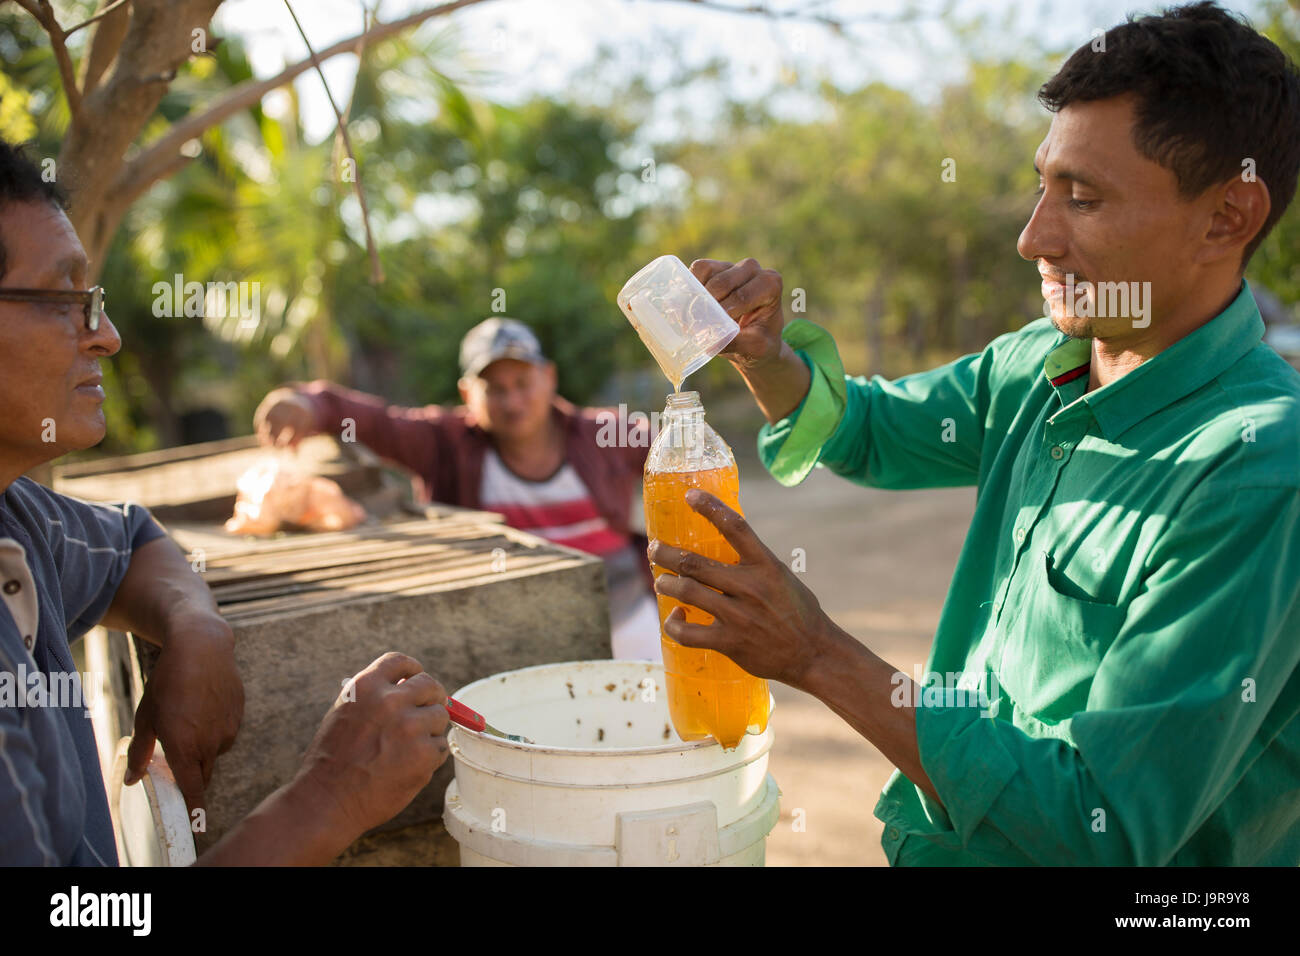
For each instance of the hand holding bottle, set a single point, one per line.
(709, 695)
(765, 619)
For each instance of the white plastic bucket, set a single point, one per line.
(150, 819)
(608, 782)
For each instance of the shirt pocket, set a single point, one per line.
(1055, 645)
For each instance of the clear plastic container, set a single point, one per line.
(679, 321)
(709, 695)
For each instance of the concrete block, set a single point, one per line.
(547, 604)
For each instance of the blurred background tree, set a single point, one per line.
(1276, 264)
(893, 213)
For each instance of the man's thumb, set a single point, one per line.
(140, 751)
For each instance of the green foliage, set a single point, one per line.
(16, 123)
(465, 198)
(506, 210)
(855, 210)
(1276, 263)
(541, 210)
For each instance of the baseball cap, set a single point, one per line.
(498, 338)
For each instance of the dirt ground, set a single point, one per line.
(880, 563)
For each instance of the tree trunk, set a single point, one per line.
(157, 42)
(160, 372)
(874, 314)
(962, 317)
(107, 117)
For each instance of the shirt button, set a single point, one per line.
(1020, 535)
(12, 587)
(1057, 452)
(893, 833)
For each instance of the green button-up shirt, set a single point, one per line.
(1114, 679)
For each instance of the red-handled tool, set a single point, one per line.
(472, 720)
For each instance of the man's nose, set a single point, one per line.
(518, 399)
(1042, 237)
(104, 339)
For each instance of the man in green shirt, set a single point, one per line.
(1117, 659)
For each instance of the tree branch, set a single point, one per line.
(44, 14)
(159, 38)
(116, 206)
(99, 16)
(368, 19)
(834, 24)
(376, 270)
(147, 168)
(104, 44)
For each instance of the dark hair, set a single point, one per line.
(1211, 92)
(21, 181)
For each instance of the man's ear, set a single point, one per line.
(1239, 214)
(463, 386)
(551, 375)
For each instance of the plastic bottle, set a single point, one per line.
(708, 694)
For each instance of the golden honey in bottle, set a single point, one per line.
(708, 694)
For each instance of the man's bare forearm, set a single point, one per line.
(778, 384)
(160, 593)
(860, 687)
(294, 826)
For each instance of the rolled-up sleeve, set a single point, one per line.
(791, 448)
(924, 430)
(1200, 678)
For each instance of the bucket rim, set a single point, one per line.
(679, 746)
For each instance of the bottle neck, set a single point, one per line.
(684, 407)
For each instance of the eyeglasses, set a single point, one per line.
(91, 300)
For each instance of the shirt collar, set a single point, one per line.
(1186, 365)
(19, 590)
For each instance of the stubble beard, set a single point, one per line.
(1072, 325)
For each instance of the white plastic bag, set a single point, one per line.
(274, 493)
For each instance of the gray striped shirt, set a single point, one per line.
(61, 561)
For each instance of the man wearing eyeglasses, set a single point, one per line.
(67, 565)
